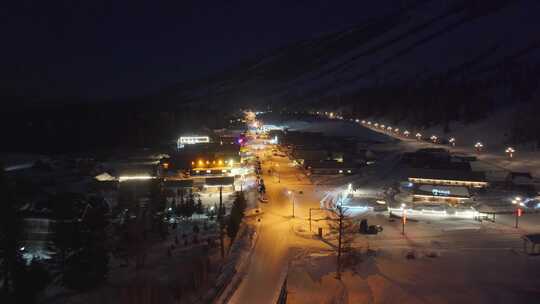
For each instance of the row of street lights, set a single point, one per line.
(478, 146)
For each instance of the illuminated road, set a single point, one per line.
(276, 236)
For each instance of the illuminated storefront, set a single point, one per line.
(212, 167)
(437, 194)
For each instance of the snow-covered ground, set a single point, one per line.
(453, 277)
(334, 128)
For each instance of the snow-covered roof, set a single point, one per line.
(456, 175)
(219, 181)
(105, 177)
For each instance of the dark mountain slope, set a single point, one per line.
(452, 43)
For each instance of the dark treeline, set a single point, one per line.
(525, 126)
(93, 126)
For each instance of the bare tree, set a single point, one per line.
(342, 224)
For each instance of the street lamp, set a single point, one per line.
(418, 136)
(383, 126)
(396, 130)
(478, 146)
(292, 200)
(389, 129)
(518, 212)
(406, 133)
(510, 152)
(376, 125)
(363, 122)
(403, 218)
(369, 123)
(452, 141)
(434, 138)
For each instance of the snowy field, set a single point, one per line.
(493, 132)
(389, 277)
(333, 128)
(455, 260)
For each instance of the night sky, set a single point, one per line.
(97, 48)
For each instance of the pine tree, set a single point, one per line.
(35, 277)
(88, 266)
(181, 209)
(199, 208)
(236, 215)
(66, 234)
(10, 235)
(190, 205)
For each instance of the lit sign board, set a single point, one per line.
(439, 192)
(442, 191)
(189, 140)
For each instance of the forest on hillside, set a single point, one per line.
(94, 126)
(445, 100)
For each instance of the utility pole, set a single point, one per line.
(403, 219)
(220, 202)
(310, 219)
(293, 206)
(220, 218)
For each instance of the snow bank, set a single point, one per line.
(235, 266)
